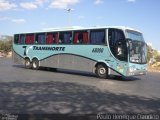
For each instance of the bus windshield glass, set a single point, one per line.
(137, 47)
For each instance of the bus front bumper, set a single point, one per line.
(137, 73)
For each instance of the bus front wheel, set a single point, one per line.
(35, 64)
(27, 63)
(101, 71)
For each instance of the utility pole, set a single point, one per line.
(4, 44)
(68, 10)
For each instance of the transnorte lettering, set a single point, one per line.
(49, 48)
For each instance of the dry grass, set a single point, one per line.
(154, 67)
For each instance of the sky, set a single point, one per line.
(17, 16)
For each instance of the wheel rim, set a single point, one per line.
(102, 71)
(34, 65)
(27, 63)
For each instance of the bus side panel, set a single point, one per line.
(66, 61)
(72, 62)
(50, 62)
(83, 64)
(17, 58)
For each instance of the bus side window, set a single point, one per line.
(22, 39)
(78, 38)
(55, 38)
(49, 38)
(75, 39)
(61, 37)
(16, 39)
(29, 39)
(65, 37)
(85, 38)
(117, 44)
(40, 38)
(97, 37)
(52, 38)
(81, 37)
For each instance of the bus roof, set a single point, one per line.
(74, 28)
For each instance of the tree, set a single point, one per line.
(149, 53)
(6, 43)
(1, 45)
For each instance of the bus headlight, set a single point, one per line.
(132, 69)
(146, 68)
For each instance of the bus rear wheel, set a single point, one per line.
(35, 64)
(27, 63)
(101, 71)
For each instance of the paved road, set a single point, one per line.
(42, 91)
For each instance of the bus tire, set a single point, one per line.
(35, 64)
(53, 69)
(101, 71)
(27, 63)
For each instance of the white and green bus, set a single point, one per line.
(101, 50)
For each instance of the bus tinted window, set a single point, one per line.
(29, 39)
(65, 37)
(117, 43)
(52, 38)
(16, 39)
(40, 38)
(22, 39)
(97, 37)
(81, 37)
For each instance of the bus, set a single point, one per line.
(115, 50)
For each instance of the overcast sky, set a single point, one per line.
(18, 16)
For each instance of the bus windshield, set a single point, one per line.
(137, 47)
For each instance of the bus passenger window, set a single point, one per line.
(29, 39)
(65, 37)
(55, 38)
(40, 38)
(60, 38)
(78, 38)
(22, 39)
(52, 38)
(85, 38)
(16, 39)
(81, 37)
(49, 38)
(98, 37)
